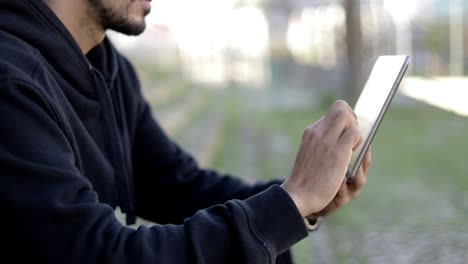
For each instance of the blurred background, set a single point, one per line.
(235, 82)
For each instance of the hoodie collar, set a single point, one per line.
(35, 23)
(103, 58)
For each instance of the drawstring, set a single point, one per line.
(124, 183)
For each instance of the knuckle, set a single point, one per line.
(340, 104)
(326, 149)
(341, 108)
(353, 131)
(343, 114)
(311, 133)
(336, 106)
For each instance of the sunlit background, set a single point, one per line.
(235, 82)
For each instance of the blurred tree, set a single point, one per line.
(436, 44)
(456, 38)
(354, 82)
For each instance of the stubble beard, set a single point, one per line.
(109, 18)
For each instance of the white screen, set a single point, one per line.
(382, 79)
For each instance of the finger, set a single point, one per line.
(361, 140)
(342, 120)
(343, 195)
(350, 137)
(367, 160)
(343, 191)
(311, 130)
(341, 104)
(340, 117)
(355, 186)
(341, 198)
(317, 123)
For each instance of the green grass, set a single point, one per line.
(179, 91)
(229, 157)
(197, 112)
(417, 185)
(419, 159)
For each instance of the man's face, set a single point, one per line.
(124, 16)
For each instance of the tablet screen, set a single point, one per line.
(373, 102)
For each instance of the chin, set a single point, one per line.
(132, 23)
(130, 28)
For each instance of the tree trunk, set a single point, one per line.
(354, 83)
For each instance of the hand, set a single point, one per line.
(323, 158)
(348, 190)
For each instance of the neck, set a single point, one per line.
(83, 27)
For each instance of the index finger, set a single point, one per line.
(338, 119)
(351, 137)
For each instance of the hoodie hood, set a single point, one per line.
(36, 24)
(85, 93)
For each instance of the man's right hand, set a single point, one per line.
(323, 158)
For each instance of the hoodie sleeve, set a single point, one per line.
(51, 213)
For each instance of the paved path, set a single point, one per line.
(179, 114)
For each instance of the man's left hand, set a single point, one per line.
(348, 190)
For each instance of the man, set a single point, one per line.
(77, 139)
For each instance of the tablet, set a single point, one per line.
(373, 102)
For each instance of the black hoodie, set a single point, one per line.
(78, 139)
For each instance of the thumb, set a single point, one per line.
(359, 143)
